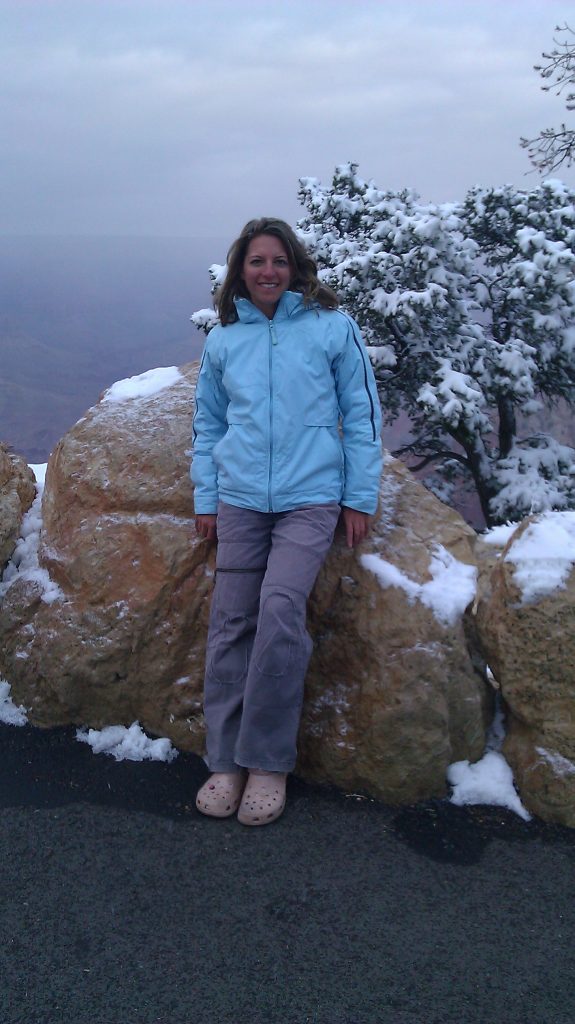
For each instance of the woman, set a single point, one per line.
(286, 435)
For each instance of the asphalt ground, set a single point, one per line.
(120, 904)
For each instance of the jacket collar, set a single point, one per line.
(289, 304)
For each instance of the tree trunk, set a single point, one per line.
(479, 466)
(507, 425)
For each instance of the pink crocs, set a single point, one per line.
(220, 796)
(264, 798)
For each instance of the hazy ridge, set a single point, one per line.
(76, 314)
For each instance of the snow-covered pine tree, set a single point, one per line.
(468, 311)
(525, 286)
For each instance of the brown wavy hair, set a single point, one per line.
(304, 277)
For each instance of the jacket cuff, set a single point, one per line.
(205, 506)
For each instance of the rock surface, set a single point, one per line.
(392, 696)
(530, 647)
(17, 490)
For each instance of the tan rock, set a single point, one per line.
(17, 490)
(125, 641)
(530, 647)
(392, 695)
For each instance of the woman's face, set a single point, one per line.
(266, 272)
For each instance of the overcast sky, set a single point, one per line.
(188, 117)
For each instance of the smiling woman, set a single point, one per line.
(268, 253)
(266, 272)
(279, 376)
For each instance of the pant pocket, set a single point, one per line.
(227, 653)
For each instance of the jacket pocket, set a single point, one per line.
(323, 415)
(323, 449)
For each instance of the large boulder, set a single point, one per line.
(17, 490)
(393, 694)
(118, 633)
(116, 629)
(526, 622)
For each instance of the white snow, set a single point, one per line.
(144, 385)
(24, 564)
(488, 781)
(536, 475)
(39, 471)
(127, 744)
(544, 555)
(561, 765)
(499, 535)
(205, 319)
(449, 591)
(10, 713)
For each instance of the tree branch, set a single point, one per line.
(554, 146)
(426, 460)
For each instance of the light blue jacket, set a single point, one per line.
(270, 401)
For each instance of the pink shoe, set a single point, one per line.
(264, 798)
(220, 796)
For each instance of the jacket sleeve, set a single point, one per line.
(209, 426)
(361, 422)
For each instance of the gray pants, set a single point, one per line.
(258, 646)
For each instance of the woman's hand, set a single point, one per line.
(206, 526)
(356, 525)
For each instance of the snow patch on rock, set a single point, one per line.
(449, 591)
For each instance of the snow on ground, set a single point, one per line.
(127, 744)
(488, 781)
(451, 588)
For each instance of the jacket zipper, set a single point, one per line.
(273, 341)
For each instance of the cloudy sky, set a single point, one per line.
(188, 117)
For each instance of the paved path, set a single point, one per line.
(121, 905)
